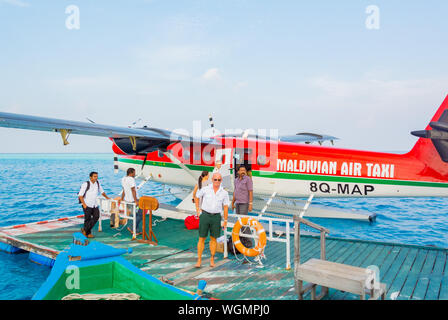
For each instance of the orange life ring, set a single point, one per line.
(249, 252)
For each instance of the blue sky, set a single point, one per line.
(290, 65)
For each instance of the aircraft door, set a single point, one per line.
(225, 157)
(242, 156)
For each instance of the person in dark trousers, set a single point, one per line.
(88, 195)
(215, 200)
(242, 202)
(243, 192)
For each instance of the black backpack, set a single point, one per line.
(87, 189)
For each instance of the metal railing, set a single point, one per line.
(298, 220)
(269, 234)
(122, 209)
(270, 221)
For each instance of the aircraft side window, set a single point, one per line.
(207, 156)
(196, 155)
(261, 160)
(186, 154)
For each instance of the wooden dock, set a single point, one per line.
(410, 272)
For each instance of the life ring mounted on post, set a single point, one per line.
(252, 222)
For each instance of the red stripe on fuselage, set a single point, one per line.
(357, 163)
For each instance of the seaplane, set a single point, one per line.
(285, 167)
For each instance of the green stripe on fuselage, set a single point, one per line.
(168, 164)
(298, 176)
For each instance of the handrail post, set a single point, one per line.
(288, 245)
(322, 245)
(324, 290)
(226, 250)
(134, 222)
(100, 209)
(298, 218)
(297, 283)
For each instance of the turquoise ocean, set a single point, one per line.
(35, 187)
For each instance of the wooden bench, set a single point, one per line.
(359, 281)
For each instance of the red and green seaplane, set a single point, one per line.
(287, 166)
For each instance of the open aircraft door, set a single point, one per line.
(225, 157)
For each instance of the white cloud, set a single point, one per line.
(212, 74)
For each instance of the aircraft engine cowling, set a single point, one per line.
(142, 145)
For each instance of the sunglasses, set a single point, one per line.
(216, 179)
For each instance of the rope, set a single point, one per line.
(108, 296)
(157, 221)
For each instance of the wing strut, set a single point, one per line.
(64, 134)
(133, 143)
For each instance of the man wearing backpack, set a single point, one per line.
(88, 195)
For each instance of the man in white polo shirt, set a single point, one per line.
(88, 195)
(214, 201)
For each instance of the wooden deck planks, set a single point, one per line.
(350, 249)
(254, 284)
(363, 247)
(395, 268)
(436, 278)
(413, 272)
(365, 260)
(390, 260)
(233, 287)
(423, 278)
(262, 280)
(443, 295)
(268, 287)
(412, 277)
(402, 271)
(334, 249)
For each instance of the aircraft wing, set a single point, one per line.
(66, 127)
(306, 137)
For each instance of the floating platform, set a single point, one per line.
(410, 272)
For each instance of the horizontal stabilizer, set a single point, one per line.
(306, 137)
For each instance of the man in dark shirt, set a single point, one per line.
(243, 192)
(242, 200)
